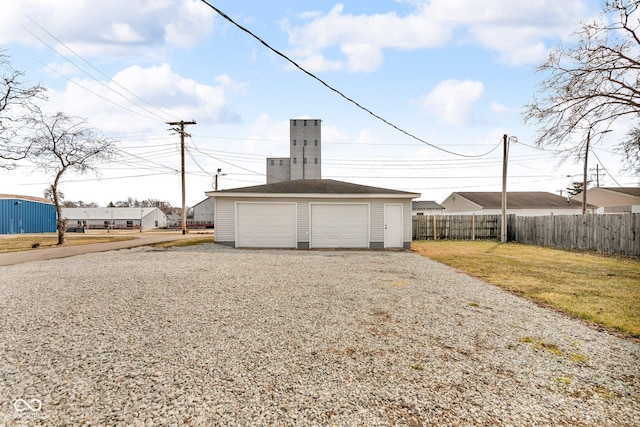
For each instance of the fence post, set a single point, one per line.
(473, 226)
(435, 228)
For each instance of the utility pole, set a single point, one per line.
(182, 133)
(584, 181)
(505, 157)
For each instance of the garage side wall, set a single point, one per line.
(377, 222)
(225, 218)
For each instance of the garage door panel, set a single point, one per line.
(266, 225)
(340, 226)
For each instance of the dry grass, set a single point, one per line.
(24, 243)
(186, 242)
(600, 289)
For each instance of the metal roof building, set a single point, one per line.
(25, 214)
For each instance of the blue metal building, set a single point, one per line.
(23, 214)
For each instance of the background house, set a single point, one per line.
(613, 199)
(522, 203)
(203, 212)
(25, 214)
(313, 213)
(426, 207)
(115, 218)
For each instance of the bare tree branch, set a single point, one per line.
(592, 83)
(61, 143)
(17, 103)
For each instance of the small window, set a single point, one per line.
(315, 142)
(272, 162)
(305, 160)
(294, 122)
(315, 123)
(281, 162)
(129, 224)
(305, 142)
(305, 122)
(315, 160)
(156, 223)
(295, 142)
(420, 213)
(295, 161)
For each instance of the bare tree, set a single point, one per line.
(60, 143)
(17, 104)
(593, 83)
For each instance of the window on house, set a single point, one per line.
(305, 142)
(129, 224)
(294, 122)
(305, 160)
(156, 223)
(315, 142)
(315, 160)
(305, 122)
(281, 162)
(315, 123)
(295, 142)
(295, 160)
(272, 162)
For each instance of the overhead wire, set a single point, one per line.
(157, 116)
(338, 92)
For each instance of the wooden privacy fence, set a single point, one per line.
(461, 227)
(608, 233)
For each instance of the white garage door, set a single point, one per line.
(339, 226)
(265, 225)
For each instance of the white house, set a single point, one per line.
(613, 199)
(426, 207)
(115, 218)
(313, 213)
(203, 212)
(522, 203)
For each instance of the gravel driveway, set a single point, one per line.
(209, 335)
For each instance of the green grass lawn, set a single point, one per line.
(601, 289)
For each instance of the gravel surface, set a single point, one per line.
(209, 335)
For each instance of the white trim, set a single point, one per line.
(311, 195)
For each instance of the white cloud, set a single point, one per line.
(517, 35)
(117, 28)
(451, 100)
(498, 108)
(231, 85)
(108, 105)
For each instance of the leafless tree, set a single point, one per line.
(592, 83)
(17, 104)
(60, 143)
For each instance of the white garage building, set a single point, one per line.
(313, 213)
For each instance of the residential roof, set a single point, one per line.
(106, 213)
(30, 198)
(426, 204)
(313, 186)
(519, 200)
(630, 191)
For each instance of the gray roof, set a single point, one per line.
(314, 186)
(426, 204)
(630, 191)
(519, 200)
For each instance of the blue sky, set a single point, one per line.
(455, 73)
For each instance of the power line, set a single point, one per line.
(313, 76)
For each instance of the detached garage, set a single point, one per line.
(313, 213)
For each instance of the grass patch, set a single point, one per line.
(601, 289)
(185, 242)
(25, 243)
